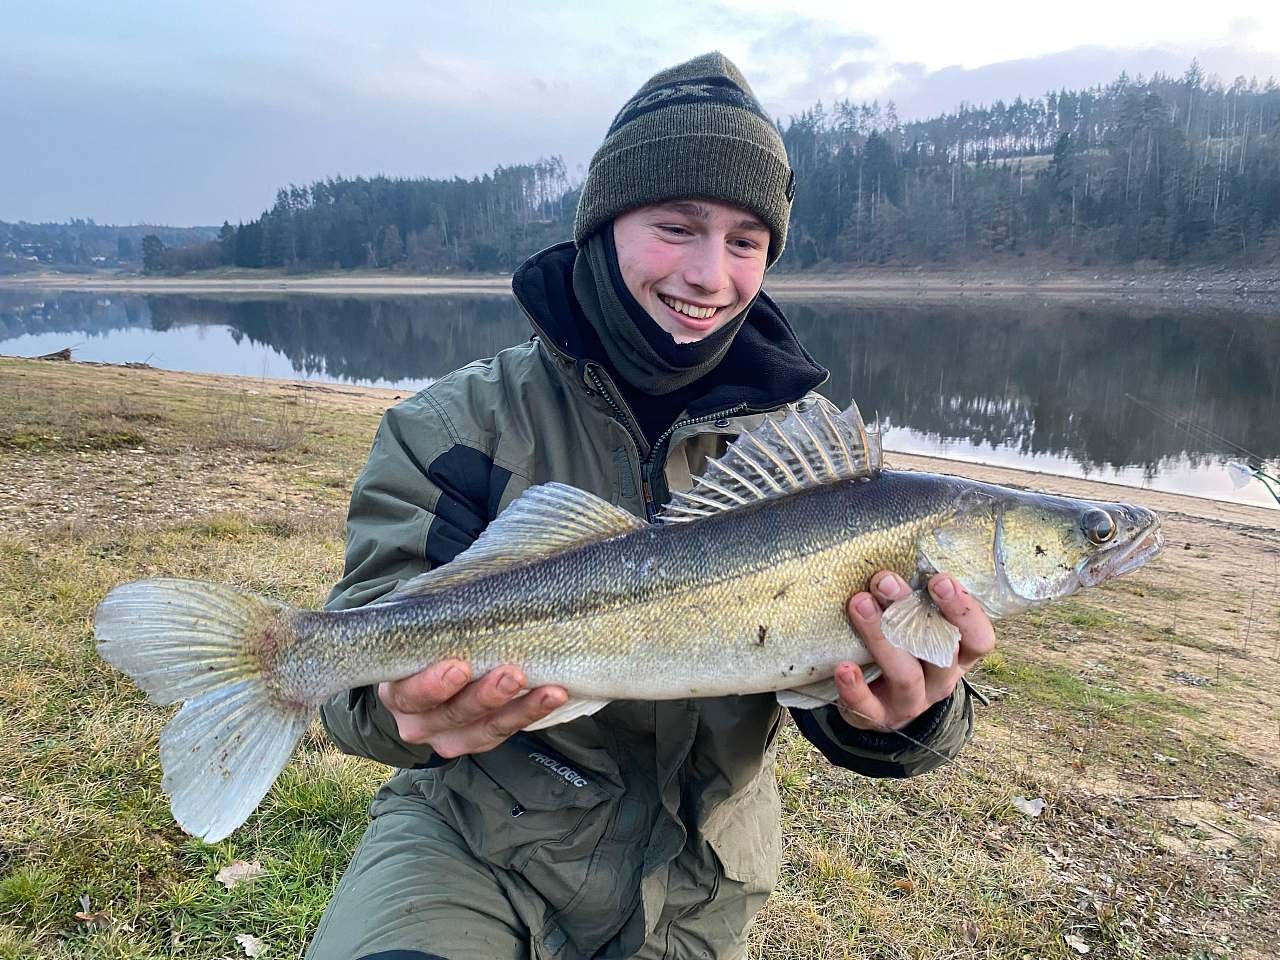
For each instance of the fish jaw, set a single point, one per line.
(1133, 555)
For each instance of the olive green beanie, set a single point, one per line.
(693, 131)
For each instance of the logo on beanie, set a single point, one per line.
(720, 90)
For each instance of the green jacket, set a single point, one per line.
(584, 820)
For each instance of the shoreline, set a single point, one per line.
(370, 399)
(1246, 288)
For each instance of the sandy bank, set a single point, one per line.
(1253, 288)
(373, 400)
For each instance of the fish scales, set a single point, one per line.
(607, 616)
(742, 589)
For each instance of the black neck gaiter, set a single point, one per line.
(641, 352)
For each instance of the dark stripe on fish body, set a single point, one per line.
(663, 560)
(647, 566)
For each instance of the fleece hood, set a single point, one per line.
(764, 367)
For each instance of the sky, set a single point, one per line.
(196, 112)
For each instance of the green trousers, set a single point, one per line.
(415, 891)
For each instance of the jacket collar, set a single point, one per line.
(765, 367)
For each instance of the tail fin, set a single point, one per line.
(205, 643)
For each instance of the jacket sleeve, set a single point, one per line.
(925, 744)
(420, 500)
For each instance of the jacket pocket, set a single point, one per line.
(526, 808)
(744, 833)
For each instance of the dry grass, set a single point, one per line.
(1088, 713)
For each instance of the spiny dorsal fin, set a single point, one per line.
(814, 443)
(544, 520)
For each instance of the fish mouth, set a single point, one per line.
(1126, 559)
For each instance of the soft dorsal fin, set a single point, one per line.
(544, 520)
(814, 443)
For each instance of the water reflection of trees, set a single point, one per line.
(1047, 379)
(359, 339)
(94, 315)
(1055, 379)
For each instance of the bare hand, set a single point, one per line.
(442, 708)
(907, 687)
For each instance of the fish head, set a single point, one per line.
(1049, 547)
(1013, 550)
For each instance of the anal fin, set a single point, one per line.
(823, 693)
(915, 624)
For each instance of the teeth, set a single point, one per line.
(688, 309)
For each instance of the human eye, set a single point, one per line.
(675, 229)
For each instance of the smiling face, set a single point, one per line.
(692, 264)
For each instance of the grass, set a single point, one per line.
(92, 865)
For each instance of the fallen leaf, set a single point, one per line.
(239, 871)
(94, 918)
(1075, 943)
(1032, 808)
(251, 945)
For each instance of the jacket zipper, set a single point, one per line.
(625, 418)
(622, 416)
(646, 464)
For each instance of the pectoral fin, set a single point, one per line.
(915, 624)
(570, 710)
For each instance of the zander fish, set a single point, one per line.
(740, 590)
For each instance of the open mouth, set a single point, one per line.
(691, 314)
(1127, 559)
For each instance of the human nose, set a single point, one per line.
(706, 268)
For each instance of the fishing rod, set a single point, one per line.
(1241, 473)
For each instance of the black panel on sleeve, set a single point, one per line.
(471, 488)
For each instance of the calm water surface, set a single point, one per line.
(1140, 395)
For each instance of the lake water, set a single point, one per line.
(1147, 396)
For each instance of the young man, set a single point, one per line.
(649, 829)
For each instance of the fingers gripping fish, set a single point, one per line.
(741, 589)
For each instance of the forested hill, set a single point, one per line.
(1161, 169)
(1175, 170)
(83, 243)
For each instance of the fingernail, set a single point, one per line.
(944, 588)
(864, 605)
(508, 685)
(552, 699)
(891, 586)
(455, 677)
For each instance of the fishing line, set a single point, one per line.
(1177, 421)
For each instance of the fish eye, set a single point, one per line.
(1099, 526)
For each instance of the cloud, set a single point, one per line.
(795, 61)
(920, 93)
(127, 117)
